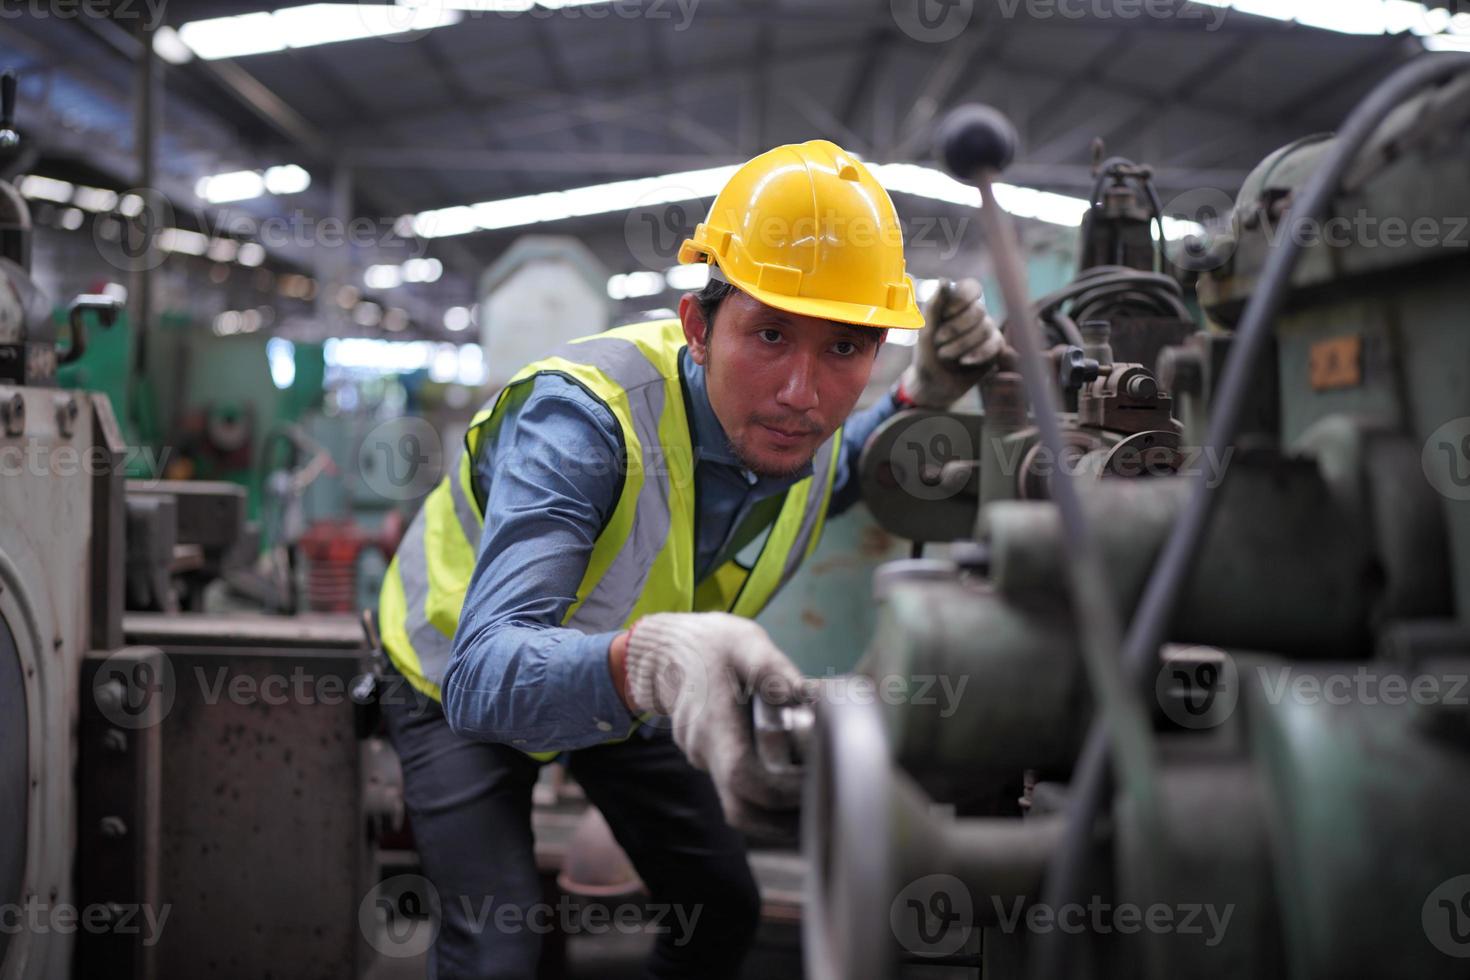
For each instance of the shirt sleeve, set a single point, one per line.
(855, 432)
(550, 477)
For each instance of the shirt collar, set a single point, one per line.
(710, 442)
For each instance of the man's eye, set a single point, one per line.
(770, 335)
(845, 347)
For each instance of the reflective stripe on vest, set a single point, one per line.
(643, 560)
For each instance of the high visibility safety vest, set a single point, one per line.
(643, 560)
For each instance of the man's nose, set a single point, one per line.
(799, 390)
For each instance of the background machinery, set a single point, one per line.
(1280, 742)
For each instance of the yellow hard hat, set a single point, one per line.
(807, 229)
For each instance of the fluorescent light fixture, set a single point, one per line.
(239, 185)
(170, 47)
(282, 356)
(471, 365)
(631, 285)
(621, 195)
(182, 240)
(130, 206)
(94, 199)
(382, 277)
(500, 6)
(223, 249)
(46, 188)
(71, 219)
(457, 318)
(233, 37)
(1370, 17)
(370, 355)
(1448, 42)
(251, 254)
(687, 277)
(487, 6)
(227, 323)
(624, 195)
(287, 179)
(422, 270)
(444, 368)
(308, 25)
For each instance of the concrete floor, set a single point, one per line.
(615, 956)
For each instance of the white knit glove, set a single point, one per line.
(702, 670)
(956, 346)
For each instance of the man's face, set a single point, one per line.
(779, 383)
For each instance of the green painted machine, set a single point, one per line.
(1268, 773)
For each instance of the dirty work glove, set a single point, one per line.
(703, 671)
(958, 343)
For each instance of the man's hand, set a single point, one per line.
(957, 345)
(702, 670)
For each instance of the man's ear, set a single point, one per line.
(696, 330)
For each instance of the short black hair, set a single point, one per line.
(710, 297)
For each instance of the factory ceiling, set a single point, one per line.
(498, 104)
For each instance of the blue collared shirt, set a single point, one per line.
(550, 482)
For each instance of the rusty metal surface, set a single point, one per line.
(263, 857)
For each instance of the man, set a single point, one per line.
(583, 581)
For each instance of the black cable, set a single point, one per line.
(1070, 869)
(1103, 292)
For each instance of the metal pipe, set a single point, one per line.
(145, 102)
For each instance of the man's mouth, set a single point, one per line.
(783, 435)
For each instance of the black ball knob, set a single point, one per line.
(975, 137)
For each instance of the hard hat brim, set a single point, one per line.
(859, 314)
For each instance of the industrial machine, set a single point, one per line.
(1267, 774)
(179, 794)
